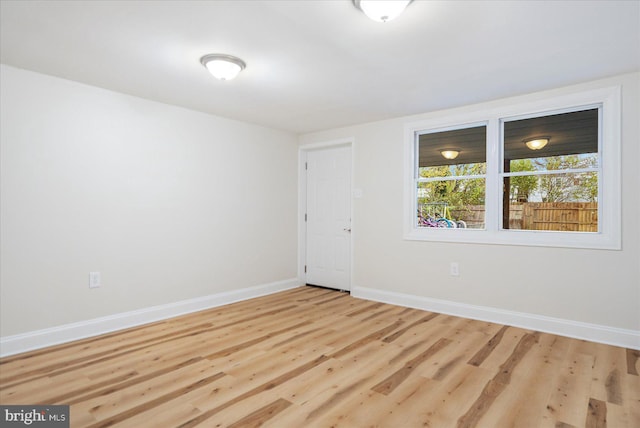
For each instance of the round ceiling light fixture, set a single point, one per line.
(537, 143)
(222, 66)
(450, 154)
(381, 10)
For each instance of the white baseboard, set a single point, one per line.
(579, 330)
(10, 345)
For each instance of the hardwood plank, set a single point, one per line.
(318, 358)
(498, 384)
(105, 388)
(251, 370)
(327, 392)
(81, 362)
(402, 331)
(365, 309)
(115, 401)
(597, 414)
(506, 346)
(609, 363)
(455, 355)
(260, 416)
(264, 387)
(612, 385)
(137, 335)
(570, 392)
(486, 350)
(457, 391)
(320, 383)
(390, 383)
(244, 345)
(563, 425)
(449, 357)
(332, 299)
(633, 357)
(436, 403)
(170, 415)
(530, 384)
(376, 335)
(149, 405)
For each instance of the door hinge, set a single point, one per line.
(306, 166)
(305, 216)
(305, 268)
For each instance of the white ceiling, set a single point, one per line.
(313, 65)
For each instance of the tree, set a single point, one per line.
(521, 187)
(455, 193)
(571, 186)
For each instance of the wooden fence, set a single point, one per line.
(562, 216)
(473, 215)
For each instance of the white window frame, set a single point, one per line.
(609, 174)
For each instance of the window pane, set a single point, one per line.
(451, 178)
(467, 146)
(452, 203)
(574, 133)
(566, 202)
(537, 196)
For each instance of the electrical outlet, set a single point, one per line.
(94, 279)
(454, 269)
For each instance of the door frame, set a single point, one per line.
(302, 202)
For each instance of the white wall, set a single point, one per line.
(168, 204)
(598, 287)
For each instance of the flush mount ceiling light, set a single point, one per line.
(223, 67)
(537, 143)
(450, 154)
(381, 10)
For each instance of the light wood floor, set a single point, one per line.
(312, 357)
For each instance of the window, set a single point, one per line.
(550, 172)
(543, 173)
(452, 166)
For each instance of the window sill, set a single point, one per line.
(530, 238)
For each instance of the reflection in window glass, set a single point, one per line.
(553, 186)
(451, 175)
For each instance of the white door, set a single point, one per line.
(328, 255)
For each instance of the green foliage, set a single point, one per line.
(459, 193)
(522, 187)
(570, 186)
(456, 193)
